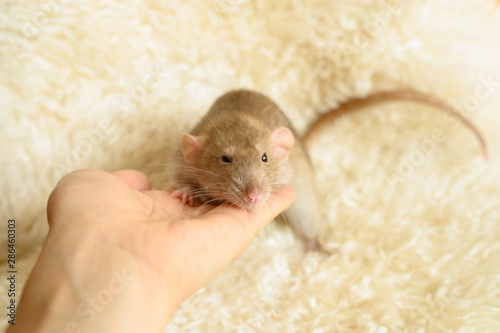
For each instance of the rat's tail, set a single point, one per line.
(328, 118)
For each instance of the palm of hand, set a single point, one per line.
(163, 242)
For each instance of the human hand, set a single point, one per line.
(121, 257)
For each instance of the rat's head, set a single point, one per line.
(241, 167)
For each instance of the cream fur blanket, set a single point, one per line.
(412, 217)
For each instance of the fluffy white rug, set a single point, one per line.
(412, 219)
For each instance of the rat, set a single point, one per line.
(245, 148)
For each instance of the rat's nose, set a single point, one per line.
(254, 195)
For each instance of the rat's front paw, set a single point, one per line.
(184, 196)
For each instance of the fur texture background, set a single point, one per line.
(410, 209)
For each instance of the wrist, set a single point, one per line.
(111, 297)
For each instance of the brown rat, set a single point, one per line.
(245, 148)
(242, 150)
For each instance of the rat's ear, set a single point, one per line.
(191, 147)
(283, 141)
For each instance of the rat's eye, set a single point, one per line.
(264, 158)
(226, 159)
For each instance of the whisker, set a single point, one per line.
(281, 216)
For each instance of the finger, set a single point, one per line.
(135, 179)
(237, 227)
(72, 182)
(92, 186)
(258, 218)
(218, 237)
(279, 201)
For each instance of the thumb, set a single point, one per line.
(278, 202)
(135, 179)
(240, 226)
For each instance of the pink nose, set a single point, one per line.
(254, 196)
